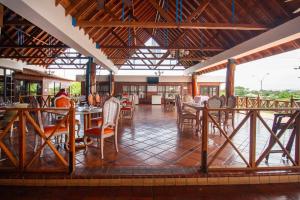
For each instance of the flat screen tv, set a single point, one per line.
(152, 80)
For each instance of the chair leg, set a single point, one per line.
(85, 143)
(78, 130)
(42, 151)
(102, 146)
(36, 143)
(11, 131)
(67, 142)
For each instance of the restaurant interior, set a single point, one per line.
(150, 129)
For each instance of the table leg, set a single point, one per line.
(198, 122)
(85, 122)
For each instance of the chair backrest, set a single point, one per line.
(9, 115)
(178, 104)
(62, 102)
(187, 98)
(91, 99)
(231, 102)
(111, 111)
(214, 102)
(97, 98)
(223, 100)
(131, 98)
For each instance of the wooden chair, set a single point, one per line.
(128, 107)
(8, 115)
(91, 100)
(183, 117)
(230, 115)
(65, 102)
(48, 130)
(215, 102)
(223, 101)
(97, 100)
(109, 127)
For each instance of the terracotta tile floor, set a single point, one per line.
(152, 140)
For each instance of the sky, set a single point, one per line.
(277, 72)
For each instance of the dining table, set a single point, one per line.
(87, 116)
(198, 107)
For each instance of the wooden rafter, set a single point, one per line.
(172, 25)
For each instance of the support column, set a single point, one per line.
(230, 77)
(194, 85)
(88, 76)
(93, 78)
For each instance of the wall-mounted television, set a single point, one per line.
(152, 80)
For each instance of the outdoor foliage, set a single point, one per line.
(270, 94)
(75, 88)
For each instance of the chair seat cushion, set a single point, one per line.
(97, 120)
(126, 108)
(188, 115)
(50, 128)
(77, 121)
(96, 131)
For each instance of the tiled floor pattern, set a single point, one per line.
(152, 140)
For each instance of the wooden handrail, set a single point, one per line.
(23, 164)
(253, 161)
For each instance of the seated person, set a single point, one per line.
(61, 92)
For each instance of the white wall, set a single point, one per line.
(176, 79)
(123, 78)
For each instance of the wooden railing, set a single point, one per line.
(258, 102)
(248, 126)
(19, 151)
(43, 100)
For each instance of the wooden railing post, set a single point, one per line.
(252, 146)
(238, 102)
(204, 167)
(71, 119)
(297, 143)
(258, 101)
(292, 101)
(247, 99)
(22, 141)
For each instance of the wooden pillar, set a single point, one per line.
(230, 77)
(204, 148)
(72, 162)
(93, 78)
(194, 85)
(297, 143)
(87, 77)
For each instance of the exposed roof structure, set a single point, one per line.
(186, 31)
(21, 40)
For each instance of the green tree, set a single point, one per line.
(75, 88)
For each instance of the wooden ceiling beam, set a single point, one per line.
(194, 48)
(199, 10)
(171, 25)
(161, 11)
(33, 46)
(179, 59)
